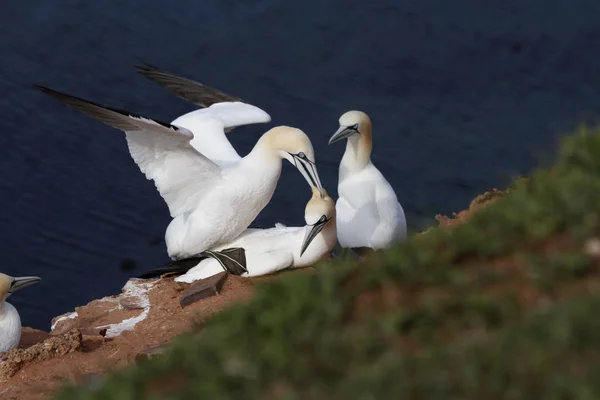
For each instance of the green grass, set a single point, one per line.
(501, 307)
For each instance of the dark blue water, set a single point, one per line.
(462, 94)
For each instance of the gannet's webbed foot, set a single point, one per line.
(232, 260)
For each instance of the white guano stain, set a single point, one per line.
(134, 288)
(68, 316)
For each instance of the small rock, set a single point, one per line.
(131, 303)
(592, 247)
(91, 331)
(202, 289)
(149, 353)
(65, 325)
(92, 342)
(53, 346)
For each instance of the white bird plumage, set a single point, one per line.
(368, 211)
(212, 193)
(270, 250)
(10, 322)
(213, 122)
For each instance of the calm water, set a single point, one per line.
(463, 96)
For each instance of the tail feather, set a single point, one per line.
(177, 267)
(232, 260)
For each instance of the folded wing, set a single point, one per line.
(264, 240)
(182, 175)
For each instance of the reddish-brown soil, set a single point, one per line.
(36, 379)
(478, 203)
(76, 351)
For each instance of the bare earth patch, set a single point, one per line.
(114, 331)
(106, 334)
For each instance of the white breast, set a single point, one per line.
(368, 211)
(10, 327)
(225, 213)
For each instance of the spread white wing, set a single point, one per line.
(209, 126)
(229, 110)
(162, 151)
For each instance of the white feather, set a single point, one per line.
(270, 250)
(368, 211)
(181, 174)
(212, 193)
(10, 327)
(213, 122)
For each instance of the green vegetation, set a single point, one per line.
(500, 307)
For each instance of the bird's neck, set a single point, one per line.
(358, 151)
(263, 154)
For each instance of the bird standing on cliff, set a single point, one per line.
(10, 322)
(368, 212)
(259, 252)
(212, 193)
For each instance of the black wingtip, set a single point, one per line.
(56, 94)
(178, 267)
(42, 88)
(143, 66)
(65, 98)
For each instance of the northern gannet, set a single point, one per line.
(10, 322)
(270, 250)
(266, 251)
(211, 202)
(369, 214)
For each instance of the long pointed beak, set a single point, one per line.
(308, 169)
(23, 281)
(311, 234)
(342, 133)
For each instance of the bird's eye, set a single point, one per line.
(355, 127)
(323, 218)
(301, 155)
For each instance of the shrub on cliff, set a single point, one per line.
(502, 306)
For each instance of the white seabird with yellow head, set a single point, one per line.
(212, 193)
(369, 214)
(10, 322)
(270, 250)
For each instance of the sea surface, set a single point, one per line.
(464, 95)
